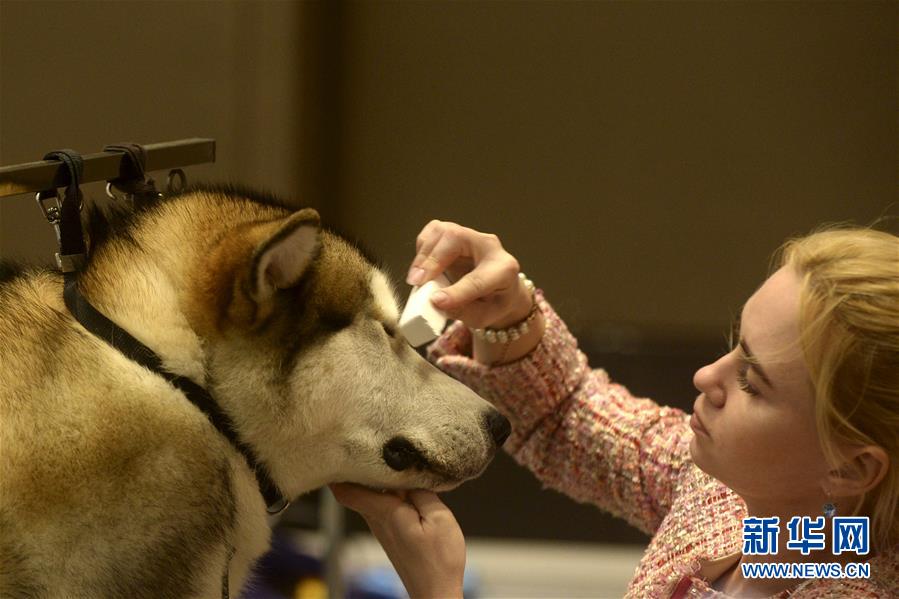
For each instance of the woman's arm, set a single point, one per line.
(576, 430)
(418, 533)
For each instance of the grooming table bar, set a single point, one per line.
(103, 166)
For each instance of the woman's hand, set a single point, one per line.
(419, 534)
(486, 291)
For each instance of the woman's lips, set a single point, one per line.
(697, 426)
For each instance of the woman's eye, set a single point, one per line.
(744, 385)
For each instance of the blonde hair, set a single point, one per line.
(849, 332)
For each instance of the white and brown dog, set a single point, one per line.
(114, 484)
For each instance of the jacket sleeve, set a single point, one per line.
(577, 431)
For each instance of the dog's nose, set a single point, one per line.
(498, 426)
(400, 454)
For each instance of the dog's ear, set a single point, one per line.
(279, 260)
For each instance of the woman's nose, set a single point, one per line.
(708, 381)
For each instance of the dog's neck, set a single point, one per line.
(146, 284)
(141, 287)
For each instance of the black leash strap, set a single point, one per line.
(102, 327)
(132, 179)
(226, 587)
(66, 218)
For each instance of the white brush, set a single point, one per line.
(421, 322)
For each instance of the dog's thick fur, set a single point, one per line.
(112, 484)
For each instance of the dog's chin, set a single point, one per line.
(440, 482)
(446, 486)
(437, 480)
(428, 481)
(437, 486)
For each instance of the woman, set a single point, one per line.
(799, 419)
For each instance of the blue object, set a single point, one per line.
(382, 582)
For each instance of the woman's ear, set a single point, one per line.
(862, 470)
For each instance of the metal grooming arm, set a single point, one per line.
(103, 166)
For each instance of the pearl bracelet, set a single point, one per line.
(516, 330)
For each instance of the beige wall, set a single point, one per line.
(642, 159)
(86, 74)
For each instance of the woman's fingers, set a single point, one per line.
(441, 244)
(430, 507)
(428, 237)
(485, 289)
(492, 277)
(422, 265)
(449, 247)
(370, 504)
(419, 534)
(383, 505)
(425, 501)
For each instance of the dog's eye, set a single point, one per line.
(391, 332)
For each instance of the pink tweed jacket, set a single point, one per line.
(591, 439)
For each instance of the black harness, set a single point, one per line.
(65, 217)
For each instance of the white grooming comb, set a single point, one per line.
(421, 322)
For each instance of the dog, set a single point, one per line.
(114, 484)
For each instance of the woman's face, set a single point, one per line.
(754, 418)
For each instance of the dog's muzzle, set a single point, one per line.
(401, 454)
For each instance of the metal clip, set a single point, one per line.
(110, 193)
(52, 213)
(278, 507)
(170, 187)
(70, 262)
(128, 198)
